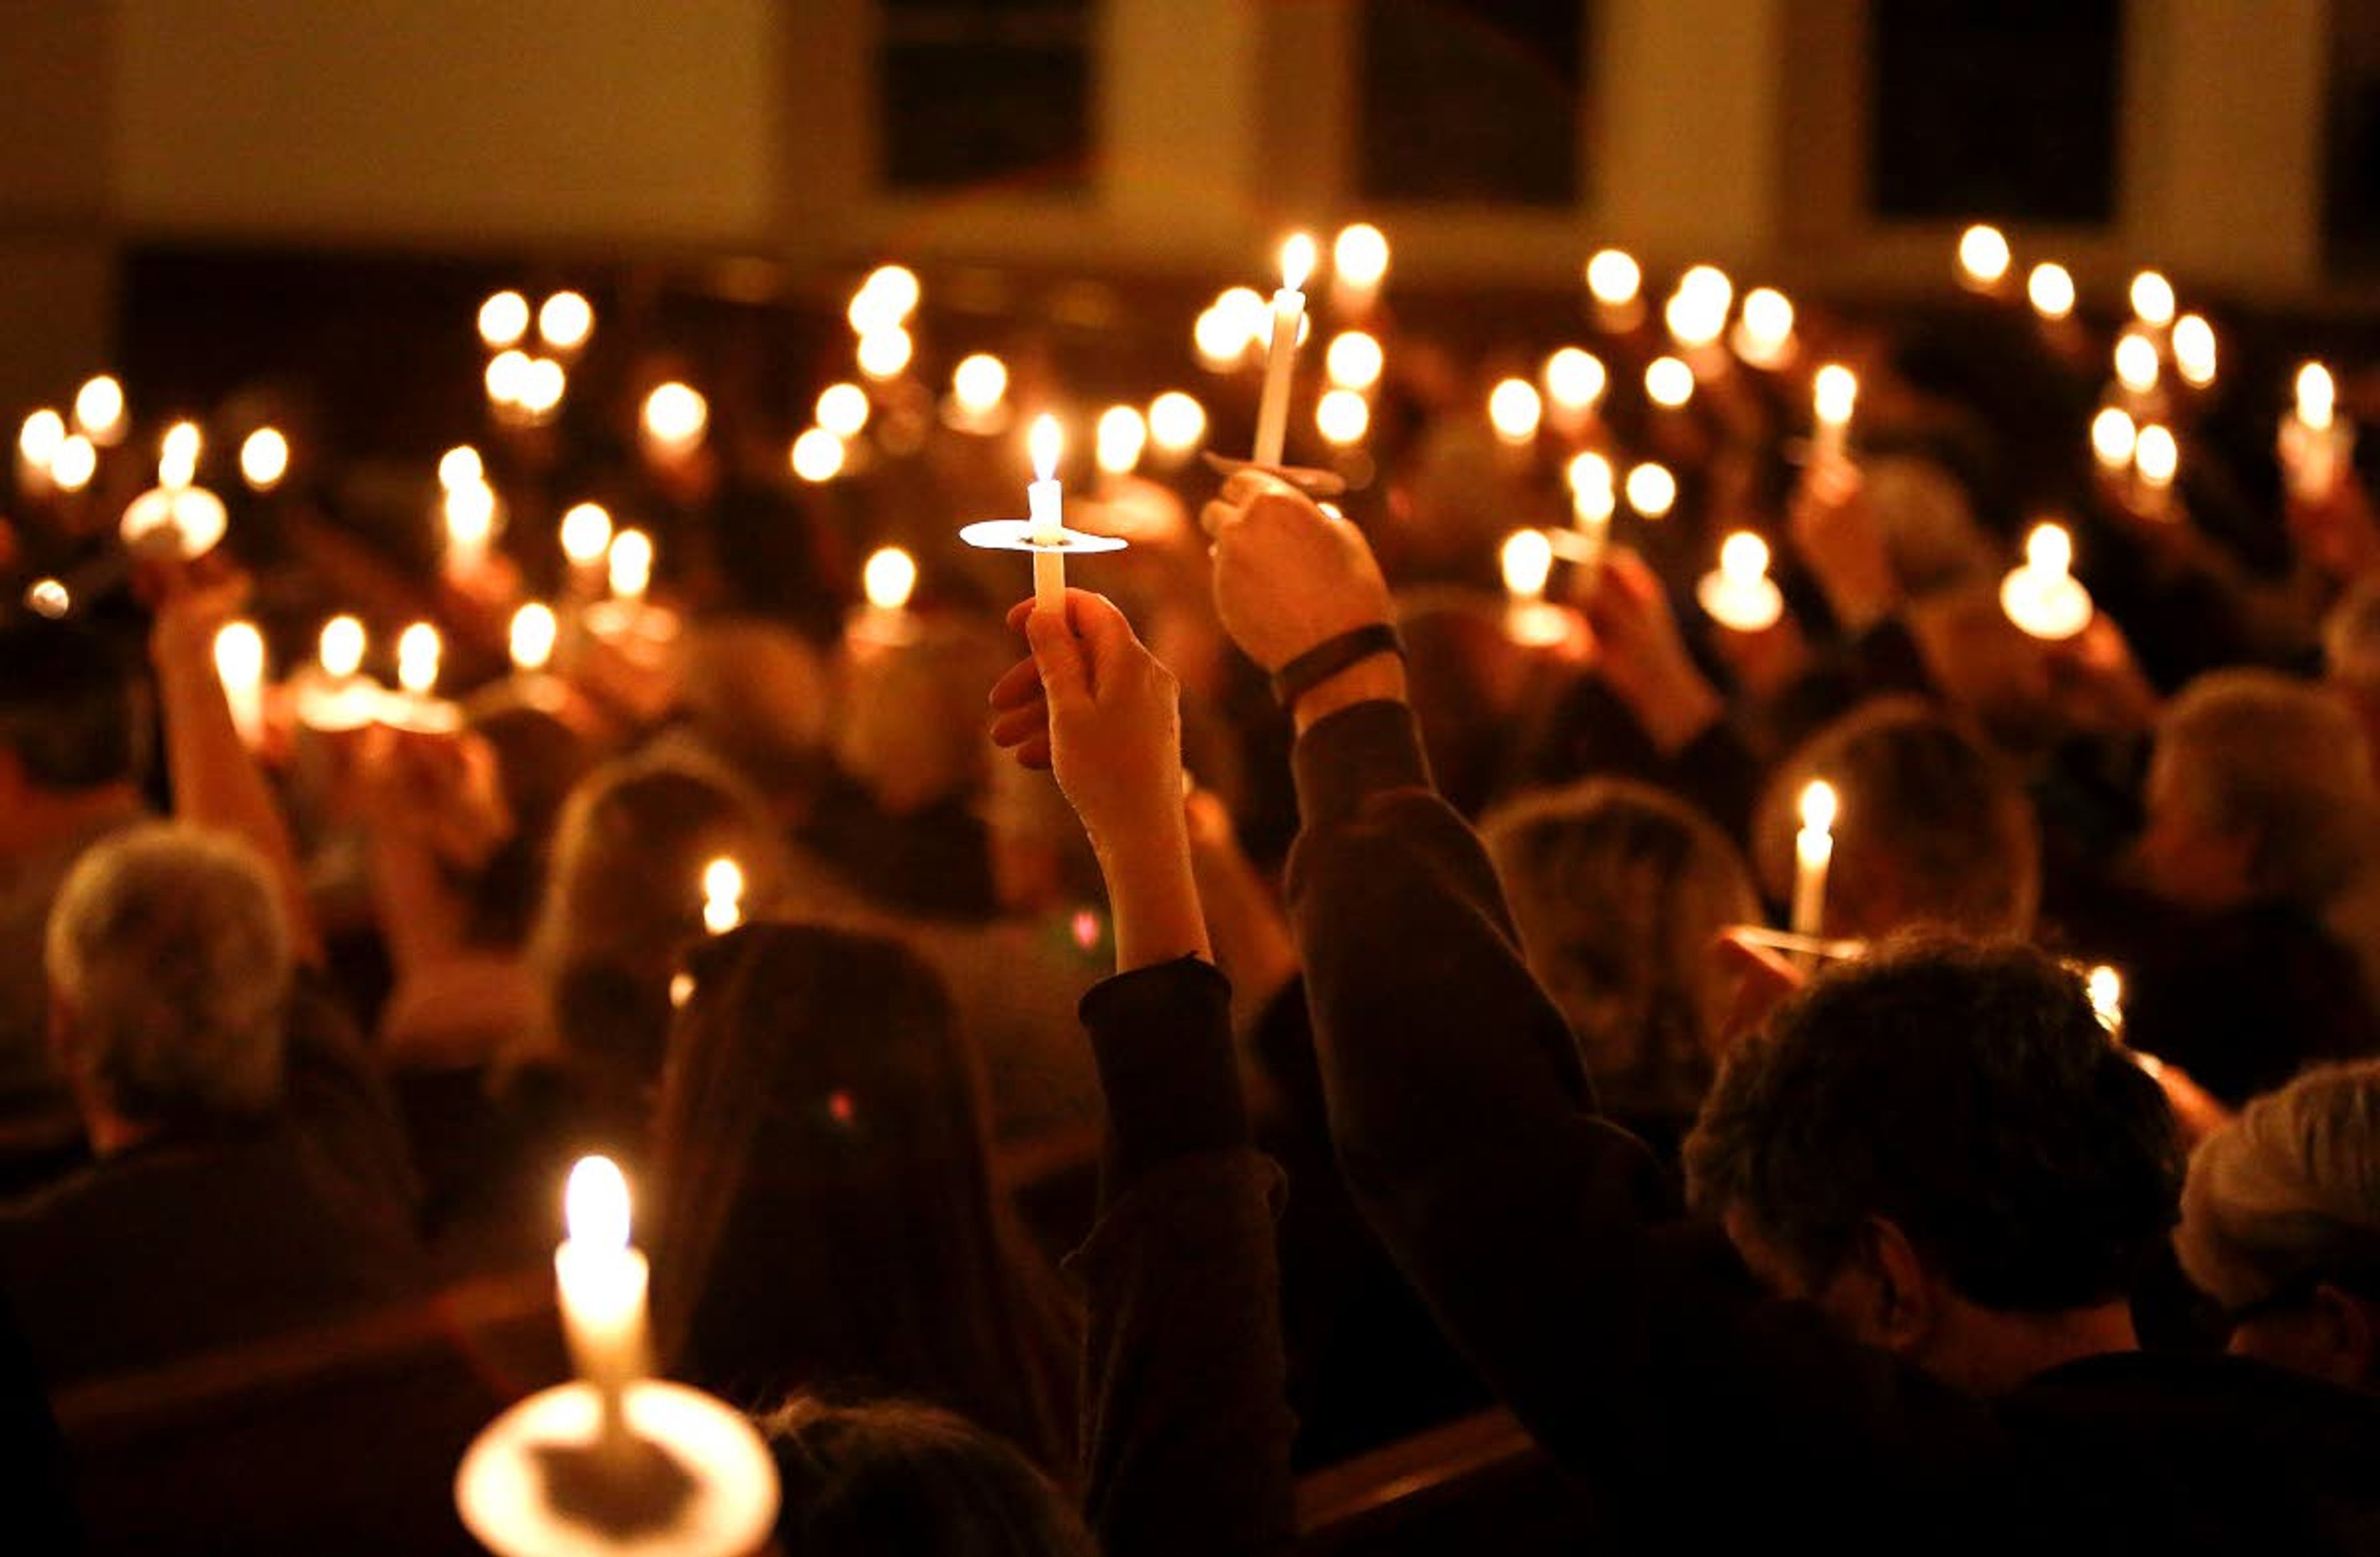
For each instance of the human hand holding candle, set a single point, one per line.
(602, 1282)
(1813, 848)
(1297, 258)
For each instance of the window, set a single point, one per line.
(1473, 101)
(2000, 108)
(980, 91)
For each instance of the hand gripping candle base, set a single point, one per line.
(616, 1463)
(1044, 533)
(1297, 257)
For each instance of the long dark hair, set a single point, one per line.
(827, 1216)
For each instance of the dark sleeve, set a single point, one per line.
(1186, 1426)
(1633, 1344)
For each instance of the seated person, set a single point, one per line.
(1900, 1321)
(2280, 1223)
(210, 1217)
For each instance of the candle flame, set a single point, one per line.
(888, 578)
(1574, 378)
(532, 635)
(2113, 436)
(48, 596)
(43, 432)
(1743, 556)
(75, 463)
(675, 414)
(1515, 409)
(1342, 417)
(1297, 257)
(843, 410)
(564, 321)
(1613, 277)
(2317, 396)
(1588, 472)
(586, 533)
(631, 563)
(99, 410)
(595, 1206)
(1983, 253)
(503, 320)
(239, 656)
(418, 649)
(1123, 433)
(723, 896)
(1669, 382)
(1528, 560)
(1818, 805)
(263, 459)
(177, 455)
(341, 648)
(2194, 350)
(1651, 491)
(1360, 254)
(2136, 362)
(1045, 442)
(979, 381)
(2153, 298)
(2051, 289)
(1353, 361)
(1768, 318)
(817, 455)
(1176, 422)
(2156, 455)
(2049, 549)
(1833, 393)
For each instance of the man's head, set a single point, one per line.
(1939, 1142)
(169, 970)
(68, 725)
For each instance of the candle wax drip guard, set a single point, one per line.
(187, 521)
(526, 1487)
(1744, 605)
(1304, 477)
(1016, 535)
(2051, 606)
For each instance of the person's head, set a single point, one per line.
(1618, 891)
(169, 969)
(2260, 789)
(823, 1149)
(625, 893)
(893, 1475)
(1463, 676)
(1931, 828)
(1942, 1148)
(2280, 1224)
(909, 725)
(69, 723)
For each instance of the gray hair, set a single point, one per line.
(2257, 752)
(168, 950)
(2288, 1192)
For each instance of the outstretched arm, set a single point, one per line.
(1186, 1430)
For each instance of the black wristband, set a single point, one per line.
(1329, 657)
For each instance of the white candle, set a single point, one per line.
(240, 666)
(2050, 288)
(177, 457)
(675, 416)
(1832, 394)
(1123, 434)
(2114, 436)
(1983, 257)
(1359, 262)
(889, 578)
(1044, 508)
(1614, 279)
(2042, 596)
(1528, 562)
(263, 459)
(602, 1282)
(1575, 380)
(417, 652)
(1342, 417)
(1176, 422)
(470, 516)
(503, 320)
(1288, 313)
(2157, 460)
(1737, 594)
(1669, 382)
(723, 896)
(341, 649)
(2312, 436)
(586, 537)
(1592, 503)
(817, 455)
(1813, 848)
(1763, 336)
(1515, 409)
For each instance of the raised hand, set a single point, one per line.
(1288, 575)
(1834, 530)
(1642, 656)
(1096, 707)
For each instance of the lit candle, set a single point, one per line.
(2153, 299)
(2314, 438)
(1669, 382)
(2105, 988)
(2050, 288)
(630, 566)
(507, 379)
(1514, 410)
(1651, 491)
(602, 1282)
(1614, 280)
(532, 637)
(1763, 336)
(978, 385)
(48, 596)
(1833, 394)
(263, 460)
(37, 444)
(564, 321)
(2042, 596)
(843, 410)
(1121, 434)
(888, 578)
(503, 320)
(586, 537)
(675, 416)
(461, 467)
(2136, 362)
(1592, 503)
(1342, 417)
(817, 455)
(543, 387)
(2113, 438)
(74, 464)
(240, 666)
(2194, 350)
(1528, 562)
(1353, 361)
(1575, 381)
(723, 896)
(2157, 460)
(340, 649)
(177, 455)
(1280, 357)
(1044, 508)
(1813, 848)
(884, 300)
(470, 514)
(1359, 259)
(99, 410)
(1176, 423)
(1983, 257)
(1737, 594)
(1697, 312)
(417, 652)
(884, 354)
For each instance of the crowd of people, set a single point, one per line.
(1376, 1020)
